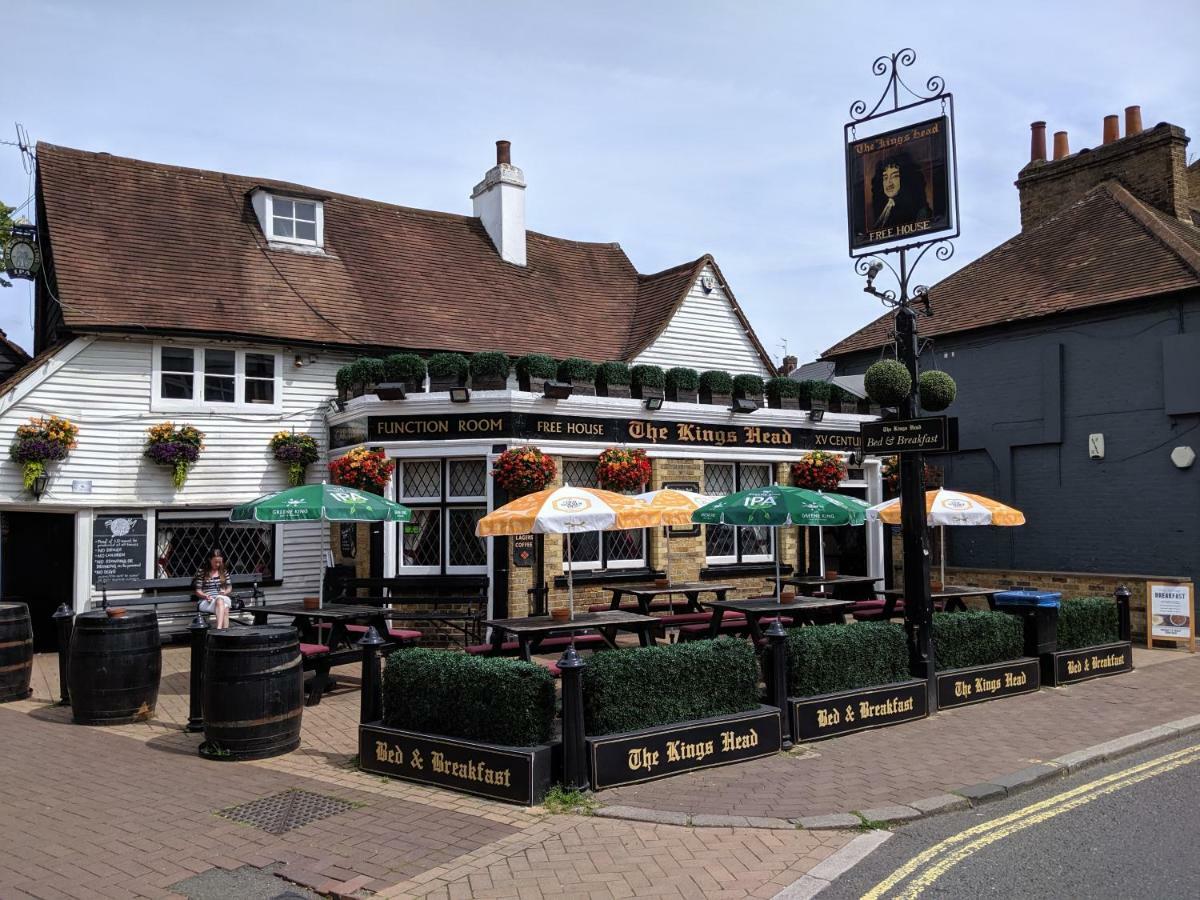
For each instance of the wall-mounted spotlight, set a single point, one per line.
(460, 395)
(743, 405)
(391, 390)
(653, 403)
(816, 415)
(557, 390)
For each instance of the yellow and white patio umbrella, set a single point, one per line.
(568, 510)
(943, 507)
(675, 507)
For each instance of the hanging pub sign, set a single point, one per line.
(932, 434)
(523, 550)
(898, 184)
(21, 255)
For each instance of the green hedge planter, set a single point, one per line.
(783, 393)
(683, 384)
(489, 370)
(533, 371)
(447, 370)
(748, 387)
(406, 368)
(978, 657)
(716, 387)
(813, 394)
(648, 381)
(581, 373)
(1089, 643)
(612, 379)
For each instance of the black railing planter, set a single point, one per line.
(371, 693)
(964, 687)
(64, 622)
(844, 712)
(198, 632)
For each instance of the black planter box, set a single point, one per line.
(489, 382)
(535, 384)
(830, 715)
(583, 388)
(682, 395)
(637, 756)
(614, 390)
(512, 774)
(444, 382)
(962, 687)
(712, 399)
(644, 392)
(783, 402)
(1086, 663)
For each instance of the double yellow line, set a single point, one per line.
(927, 867)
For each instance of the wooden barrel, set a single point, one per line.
(114, 667)
(253, 692)
(16, 652)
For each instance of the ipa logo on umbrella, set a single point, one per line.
(755, 502)
(348, 496)
(571, 504)
(955, 503)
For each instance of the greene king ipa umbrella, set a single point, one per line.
(778, 506)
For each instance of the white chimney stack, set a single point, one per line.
(499, 202)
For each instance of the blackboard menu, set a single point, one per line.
(119, 548)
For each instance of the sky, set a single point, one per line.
(672, 128)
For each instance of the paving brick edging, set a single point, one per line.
(956, 799)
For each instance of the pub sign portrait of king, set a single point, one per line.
(899, 184)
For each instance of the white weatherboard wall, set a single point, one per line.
(704, 333)
(104, 387)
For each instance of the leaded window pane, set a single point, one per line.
(580, 473)
(756, 541)
(719, 540)
(467, 477)
(422, 538)
(718, 479)
(422, 478)
(754, 477)
(465, 548)
(625, 546)
(585, 548)
(181, 546)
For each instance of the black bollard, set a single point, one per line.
(575, 773)
(64, 624)
(199, 634)
(777, 683)
(370, 708)
(1124, 625)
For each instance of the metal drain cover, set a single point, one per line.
(284, 812)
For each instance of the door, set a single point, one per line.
(37, 566)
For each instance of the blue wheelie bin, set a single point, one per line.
(1039, 610)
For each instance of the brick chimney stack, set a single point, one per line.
(789, 365)
(1151, 163)
(1037, 142)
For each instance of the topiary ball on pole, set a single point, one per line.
(936, 390)
(888, 382)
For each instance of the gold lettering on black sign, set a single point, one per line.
(643, 759)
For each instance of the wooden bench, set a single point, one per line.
(457, 601)
(166, 593)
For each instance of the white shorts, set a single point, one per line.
(210, 605)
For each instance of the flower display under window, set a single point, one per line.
(297, 452)
(819, 471)
(40, 441)
(619, 469)
(178, 448)
(366, 470)
(524, 470)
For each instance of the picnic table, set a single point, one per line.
(530, 631)
(859, 586)
(950, 595)
(338, 616)
(644, 594)
(804, 609)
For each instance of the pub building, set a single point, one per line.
(229, 303)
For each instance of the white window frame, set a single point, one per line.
(444, 502)
(197, 403)
(274, 238)
(602, 563)
(751, 558)
(169, 515)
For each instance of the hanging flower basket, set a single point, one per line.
(524, 470)
(366, 470)
(819, 471)
(297, 452)
(40, 441)
(619, 469)
(178, 448)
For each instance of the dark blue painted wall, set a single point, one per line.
(1028, 397)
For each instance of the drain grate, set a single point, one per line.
(284, 812)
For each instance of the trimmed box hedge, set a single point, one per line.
(612, 372)
(1087, 622)
(487, 699)
(965, 639)
(641, 687)
(537, 365)
(845, 657)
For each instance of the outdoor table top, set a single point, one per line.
(814, 580)
(582, 621)
(948, 593)
(331, 611)
(676, 587)
(770, 605)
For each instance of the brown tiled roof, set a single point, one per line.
(170, 249)
(1106, 248)
(32, 364)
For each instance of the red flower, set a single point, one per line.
(366, 470)
(619, 469)
(819, 471)
(524, 470)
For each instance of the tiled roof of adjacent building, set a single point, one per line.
(138, 245)
(1106, 248)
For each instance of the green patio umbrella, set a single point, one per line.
(311, 502)
(778, 506)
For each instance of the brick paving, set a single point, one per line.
(918, 759)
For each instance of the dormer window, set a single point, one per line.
(295, 222)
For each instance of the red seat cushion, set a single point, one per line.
(489, 649)
(581, 640)
(551, 666)
(872, 610)
(313, 649)
(685, 618)
(397, 634)
(627, 606)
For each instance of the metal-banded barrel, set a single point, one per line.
(114, 667)
(16, 651)
(253, 692)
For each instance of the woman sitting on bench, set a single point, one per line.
(212, 588)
